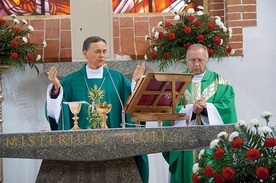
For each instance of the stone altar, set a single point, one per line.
(101, 154)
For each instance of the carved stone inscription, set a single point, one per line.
(45, 140)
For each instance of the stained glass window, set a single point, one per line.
(62, 7)
(153, 6)
(35, 7)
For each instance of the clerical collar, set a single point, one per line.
(94, 73)
(198, 78)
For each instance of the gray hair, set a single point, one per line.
(196, 46)
(93, 39)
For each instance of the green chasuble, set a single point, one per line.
(216, 90)
(76, 87)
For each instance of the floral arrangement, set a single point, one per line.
(171, 43)
(15, 50)
(246, 155)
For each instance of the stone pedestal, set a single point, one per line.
(119, 170)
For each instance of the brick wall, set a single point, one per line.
(130, 29)
(235, 14)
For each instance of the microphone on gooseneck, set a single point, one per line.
(121, 102)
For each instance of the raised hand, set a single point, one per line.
(139, 71)
(52, 76)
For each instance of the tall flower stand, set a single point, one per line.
(3, 68)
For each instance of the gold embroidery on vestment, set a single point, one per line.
(207, 93)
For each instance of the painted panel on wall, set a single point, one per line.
(62, 7)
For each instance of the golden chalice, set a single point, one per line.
(75, 109)
(103, 109)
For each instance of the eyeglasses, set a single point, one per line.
(194, 60)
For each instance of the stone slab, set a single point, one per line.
(106, 144)
(117, 171)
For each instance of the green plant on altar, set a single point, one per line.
(15, 50)
(245, 155)
(170, 42)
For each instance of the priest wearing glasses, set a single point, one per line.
(208, 100)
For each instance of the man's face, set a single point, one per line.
(95, 55)
(196, 61)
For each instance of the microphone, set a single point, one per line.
(122, 105)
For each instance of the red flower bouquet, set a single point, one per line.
(15, 50)
(246, 155)
(171, 43)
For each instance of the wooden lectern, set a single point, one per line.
(156, 96)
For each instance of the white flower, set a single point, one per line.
(219, 23)
(240, 123)
(38, 57)
(44, 43)
(13, 15)
(30, 28)
(155, 48)
(176, 17)
(232, 52)
(265, 129)
(191, 10)
(152, 30)
(16, 21)
(199, 13)
(253, 122)
(224, 29)
(221, 41)
(217, 17)
(195, 167)
(233, 135)
(160, 24)
(25, 39)
(156, 34)
(230, 30)
(221, 135)
(200, 154)
(214, 143)
(24, 21)
(266, 114)
(146, 37)
(200, 7)
(146, 57)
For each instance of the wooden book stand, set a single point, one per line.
(156, 96)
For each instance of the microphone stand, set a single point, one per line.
(122, 105)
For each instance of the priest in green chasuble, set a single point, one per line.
(93, 84)
(208, 100)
